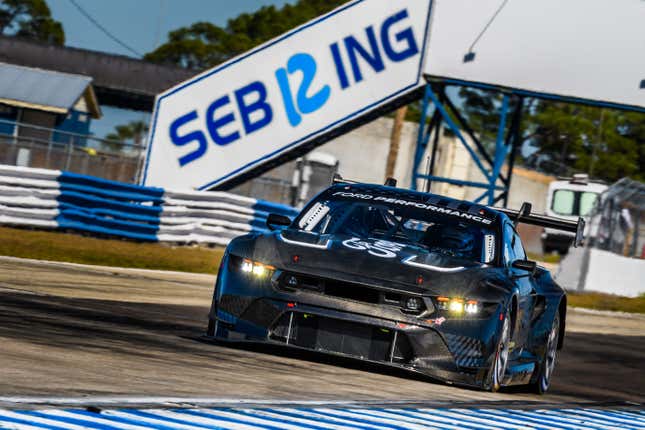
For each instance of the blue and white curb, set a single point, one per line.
(283, 418)
(62, 200)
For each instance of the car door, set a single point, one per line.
(525, 283)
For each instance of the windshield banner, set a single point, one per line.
(419, 205)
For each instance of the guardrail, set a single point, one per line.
(54, 199)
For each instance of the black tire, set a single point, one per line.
(211, 330)
(212, 327)
(495, 375)
(547, 366)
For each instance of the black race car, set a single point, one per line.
(407, 279)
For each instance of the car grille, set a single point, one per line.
(342, 337)
(290, 281)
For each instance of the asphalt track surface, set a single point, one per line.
(71, 330)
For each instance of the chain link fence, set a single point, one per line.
(292, 183)
(618, 221)
(33, 146)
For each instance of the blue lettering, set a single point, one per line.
(374, 58)
(259, 105)
(178, 140)
(283, 82)
(406, 36)
(306, 64)
(340, 67)
(214, 125)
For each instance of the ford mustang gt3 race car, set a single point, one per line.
(404, 278)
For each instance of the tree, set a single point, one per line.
(605, 143)
(481, 107)
(30, 19)
(133, 132)
(567, 138)
(203, 45)
(196, 47)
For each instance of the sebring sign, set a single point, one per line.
(299, 86)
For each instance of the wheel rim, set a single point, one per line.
(551, 351)
(502, 354)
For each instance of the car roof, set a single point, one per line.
(421, 197)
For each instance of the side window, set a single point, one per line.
(509, 252)
(518, 248)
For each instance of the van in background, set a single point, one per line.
(569, 198)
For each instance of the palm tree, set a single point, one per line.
(133, 132)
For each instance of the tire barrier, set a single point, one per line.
(54, 199)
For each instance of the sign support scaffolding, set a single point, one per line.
(497, 183)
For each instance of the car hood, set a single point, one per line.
(388, 264)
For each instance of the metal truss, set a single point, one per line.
(497, 183)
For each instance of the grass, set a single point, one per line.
(607, 302)
(547, 258)
(74, 248)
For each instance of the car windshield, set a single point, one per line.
(399, 221)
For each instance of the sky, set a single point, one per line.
(142, 25)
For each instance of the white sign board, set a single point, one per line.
(282, 94)
(585, 49)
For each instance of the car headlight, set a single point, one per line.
(471, 307)
(458, 305)
(256, 269)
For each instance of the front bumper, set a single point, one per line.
(452, 350)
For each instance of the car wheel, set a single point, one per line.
(211, 330)
(493, 380)
(212, 327)
(541, 385)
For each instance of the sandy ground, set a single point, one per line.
(71, 330)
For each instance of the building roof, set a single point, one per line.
(45, 90)
(119, 81)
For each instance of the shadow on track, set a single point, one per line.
(160, 339)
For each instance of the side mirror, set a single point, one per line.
(526, 265)
(275, 220)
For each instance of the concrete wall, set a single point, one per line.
(586, 269)
(362, 153)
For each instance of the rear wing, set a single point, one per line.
(524, 216)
